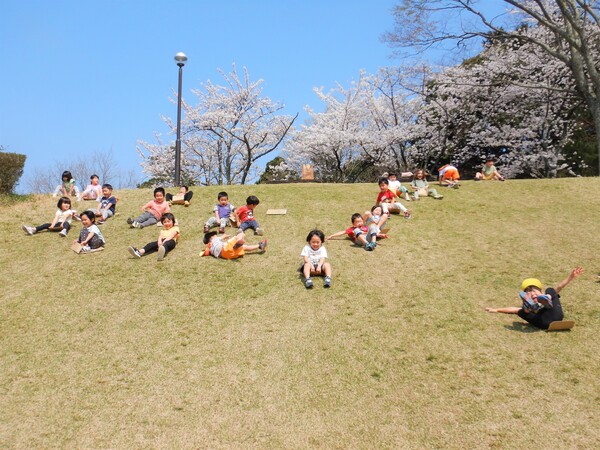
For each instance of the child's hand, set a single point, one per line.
(576, 272)
(318, 268)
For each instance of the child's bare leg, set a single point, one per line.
(382, 221)
(327, 269)
(249, 248)
(505, 310)
(307, 269)
(361, 239)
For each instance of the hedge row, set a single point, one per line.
(11, 169)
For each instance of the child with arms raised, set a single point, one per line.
(167, 239)
(315, 255)
(539, 309)
(61, 222)
(153, 210)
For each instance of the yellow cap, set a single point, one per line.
(531, 282)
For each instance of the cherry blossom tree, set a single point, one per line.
(573, 24)
(224, 135)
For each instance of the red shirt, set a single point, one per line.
(386, 197)
(245, 213)
(350, 231)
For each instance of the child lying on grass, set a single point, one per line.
(228, 247)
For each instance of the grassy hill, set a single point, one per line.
(104, 350)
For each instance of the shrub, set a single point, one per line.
(11, 169)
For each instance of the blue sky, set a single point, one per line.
(81, 76)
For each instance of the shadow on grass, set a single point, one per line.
(522, 327)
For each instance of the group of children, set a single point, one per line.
(537, 308)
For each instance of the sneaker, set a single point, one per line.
(86, 249)
(369, 247)
(262, 245)
(186, 203)
(327, 282)
(308, 284)
(406, 197)
(29, 230)
(259, 231)
(129, 221)
(136, 225)
(134, 252)
(407, 214)
(206, 228)
(545, 300)
(63, 233)
(438, 197)
(161, 253)
(77, 217)
(222, 230)
(100, 222)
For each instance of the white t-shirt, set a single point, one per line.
(314, 256)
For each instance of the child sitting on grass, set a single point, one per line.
(386, 199)
(421, 187)
(489, 171)
(244, 216)
(376, 217)
(315, 254)
(396, 187)
(222, 212)
(183, 198)
(167, 239)
(67, 188)
(539, 309)
(61, 222)
(359, 233)
(90, 236)
(93, 191)
(153, 211)
(107, 204)
(228, 247)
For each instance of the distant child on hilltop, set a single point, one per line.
(489, 171)
(421, 187)
(448, 176)
(539, 309)
(386, 199)
(153, 211)
(183, 198)
(222, 213)
(315, 255)
(167, 239)
(245, 216)
(67, 188)
(93, 191)
(228, 247)
(107, 204)
(61, 222)
(359, 233)
(90, 237)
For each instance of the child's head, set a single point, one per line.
(183, 189)
(532, 286)
(377, 210)
(159, 194)
(88, 218)
(167, 220)
(106, 189)
(383, 183)
(95, 179)
(419, 174)
(315, 239)
(64, 203)
(223, 198)
(66, 176)
(392, 176)
(252, 201)
(357, 220)
(208, 236)
(489, 161)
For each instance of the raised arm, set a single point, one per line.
(574, 274)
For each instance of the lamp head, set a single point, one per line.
(181, 59)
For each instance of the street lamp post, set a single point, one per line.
(181, 59)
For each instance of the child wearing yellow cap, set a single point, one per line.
(539, 309)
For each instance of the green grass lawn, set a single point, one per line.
(106, 351)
